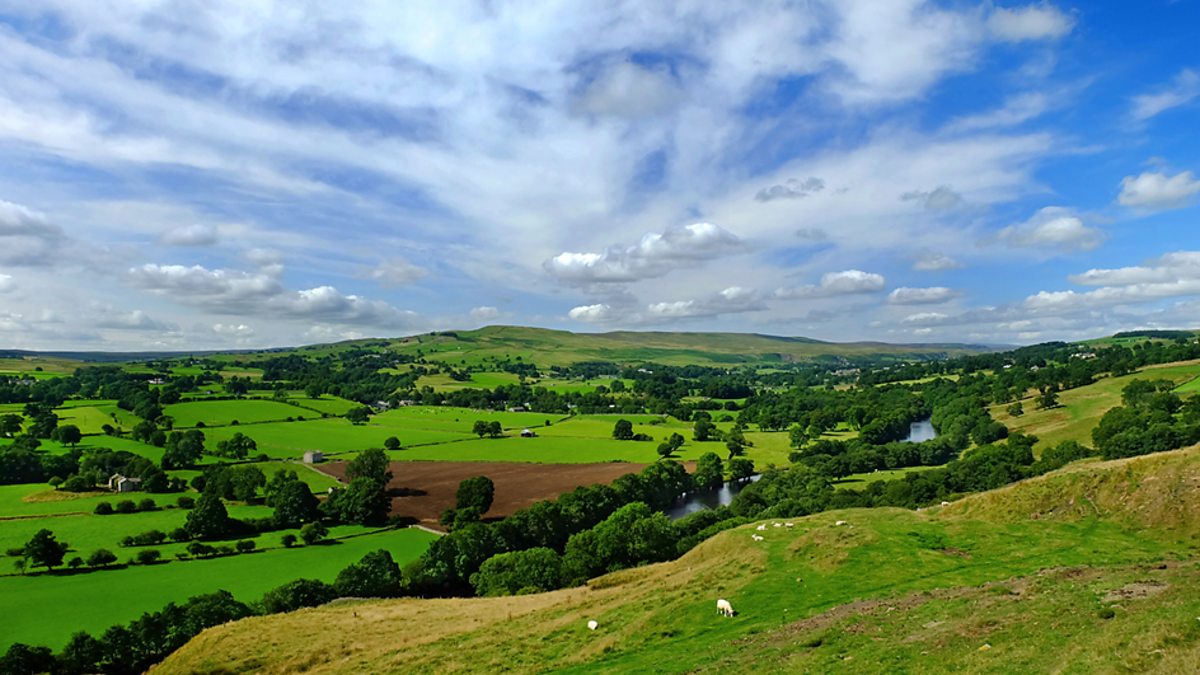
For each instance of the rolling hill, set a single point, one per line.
(1089, 569)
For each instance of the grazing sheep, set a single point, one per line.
(593, 624)
(788, 524)
(762, 528)
(756, 537)
(777, 524)
(945, 503)
(841, 523)
(724, 608)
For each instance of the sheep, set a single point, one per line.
(755, 537)
(724, 608)
(841, 523)
(762, 528)
(788, 524)
(945, 503)
(778, 524)
(593, 624)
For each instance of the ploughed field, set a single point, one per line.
(423, 490)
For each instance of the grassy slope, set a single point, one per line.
(1082, 408)
(1024, 570)
(551, 347)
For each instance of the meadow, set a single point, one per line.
(52, 607)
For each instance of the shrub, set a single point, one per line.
(149, 556)
(126, 506)
(288, 540)
(75, 563)
(101, 557)
(296, 594)
(1107, 613)
(180, 534)
(103, 509)
(312, 533)
(246, 546)
(186, 502)
(147, 504)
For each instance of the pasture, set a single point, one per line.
(221, 413)
(54, 606)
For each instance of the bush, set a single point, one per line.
(296, 594)
(246, 546)
(186, 502)
(101, 557)
(126, 506)
(1107, 613)
(312, 533)
(149, 556)
(376, 575)
(180, 534)
(532, 570)
(103, 509)
(147, 504)
(288, 540)
(75, 563)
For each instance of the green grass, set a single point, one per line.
(214, 413)
(326, 404)
(1082, 408)
(52, 607)
(889, 591)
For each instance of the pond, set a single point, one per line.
(920, 431)
(707, 499)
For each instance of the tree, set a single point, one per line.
(183, 449)
(735, 449)
(533, 570)
(494, 429)
(372, 464)
(209, 519)
(623, 430)
(359, 415)
(741, 468)
(1016, 409)
(363, 501)
(288, 540)
(477, 492)
(313, 532)
(81, 654)
(675, 440)
(295, 504)
(246, 546)
(480, 428)
(10, 425)
(391, 443)
(149, 556)
(664, 450)
(297, 594)
(101, 557)
(67, 434)
(44, 550)
(1047, 400)
(376, 575)
(22, 658)
(702, 430)
(238, 446)
(709, 472)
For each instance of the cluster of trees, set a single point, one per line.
(473, 499)
(1152, 418)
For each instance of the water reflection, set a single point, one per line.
(707, 499)
(920, 431)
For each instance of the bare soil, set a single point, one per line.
(423, 490)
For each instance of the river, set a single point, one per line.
(707, 499)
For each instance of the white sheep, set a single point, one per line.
(724, 608)
(945, 503)
(762, 528)
(788, 524)
(756, 537)
(777, 524)
(841, 523)
(593, 624)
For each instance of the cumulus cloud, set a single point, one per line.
(27, 237)
(199, 234)
(654, 256)
(927, 318)
(1032, 22)
(846, 282)
(940, 198)
(1052, 227)
(791, 189)
(921, 296)
(1181, 90)
(397, 272)
(484, 313)
(732, 300)
(1154, 190)
(597, 313)
(238, 330)
(241, 293)
(932, 261)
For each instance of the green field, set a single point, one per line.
(978, 586)
(52, 607)
(220, 413)
(331, 405)
(1082, 408)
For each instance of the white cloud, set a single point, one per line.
(198, 234)
(221, 288)
(940, 198)
(397, 272)
(628, 90)
(27, 238)
(1052, 227)
(7, 284)
(932, 261)
(1016, 110)
(926, 318)
(847, 282)
(732, 300)
(654, 256)
(484, 313)
(598, 313)
(1155, 190)
(792, 188)
(134, 320)
(921, 296)
(1184, 88)
(239, 330)
(1032, 22)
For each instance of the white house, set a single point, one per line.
(314, 457)
(119, 483)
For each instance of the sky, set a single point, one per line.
(180, 175)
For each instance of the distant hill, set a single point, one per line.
(1092, 568)
(557, 347)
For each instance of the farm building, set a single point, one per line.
(314, 457)
(119, 483)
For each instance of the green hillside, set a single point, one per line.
(553, 347)
(1090, 569)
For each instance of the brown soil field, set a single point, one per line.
(423, 490)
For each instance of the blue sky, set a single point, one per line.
(180, 175)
